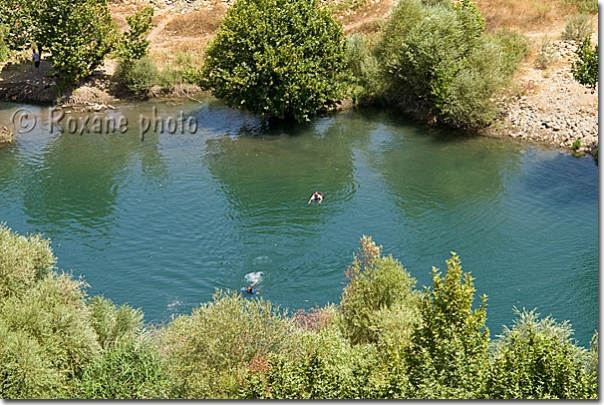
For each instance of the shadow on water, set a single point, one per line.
(80, 175)
(266, 174)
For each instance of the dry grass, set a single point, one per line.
(366, 19)
(182, 52)
(526, 16)
(87, 94)
(196, 23)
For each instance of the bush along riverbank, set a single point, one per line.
(386, 339)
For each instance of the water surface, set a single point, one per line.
(161, 223)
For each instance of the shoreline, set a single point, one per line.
(544, 106)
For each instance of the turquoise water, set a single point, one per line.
(161, 223)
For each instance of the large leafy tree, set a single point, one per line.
(436, 59)
(277, 58)
(77, 33)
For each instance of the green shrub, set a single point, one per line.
(24, 261)
(515, 48)
(129, 369)
(133, 45)
(328, 368)
(365, 78)
(113, 324)
(185, 70)
(538, 359)
(54, 314)
(585, 64)
(448, 355)
(46, 337)
(26, 370)
(592, 358)
(4, 50)
(137, 76)
(277, 58)
(376, 285)
(547, 54)
(209, 351)
(584, 6)
(577, 27)
(576, 145)
(437, 58)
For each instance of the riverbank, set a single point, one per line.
(549, 106)
(545, 106)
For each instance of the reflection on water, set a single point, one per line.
(162, 223)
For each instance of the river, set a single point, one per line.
(161, 222)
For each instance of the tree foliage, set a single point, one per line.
(77, 34)
(129, 369)
(325, 366)
(435, 56)
(448, 355)
(377, 285)
(133, 45)
(210, 348)
(135, 69)
(538, 359)
(585, 65)
(277, 58)
(46, 337)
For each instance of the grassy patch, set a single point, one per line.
(584, 6)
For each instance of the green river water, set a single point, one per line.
(161, 223)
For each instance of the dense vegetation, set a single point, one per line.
(135, 70)
(386, 339)
(282, 58)
(277, 58)
(434, 58)
(77, 34)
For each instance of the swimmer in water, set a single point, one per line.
(250, 289)
(316, 196)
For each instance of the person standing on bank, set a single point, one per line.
(36, 59)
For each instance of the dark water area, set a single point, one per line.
(161, 223)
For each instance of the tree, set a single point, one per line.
(437, 60)
(377, 285)
(77, 33)
(133, 45)
(79, 40)
(277, 58)
(538, 359)
(448, 355)
(585, 65)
